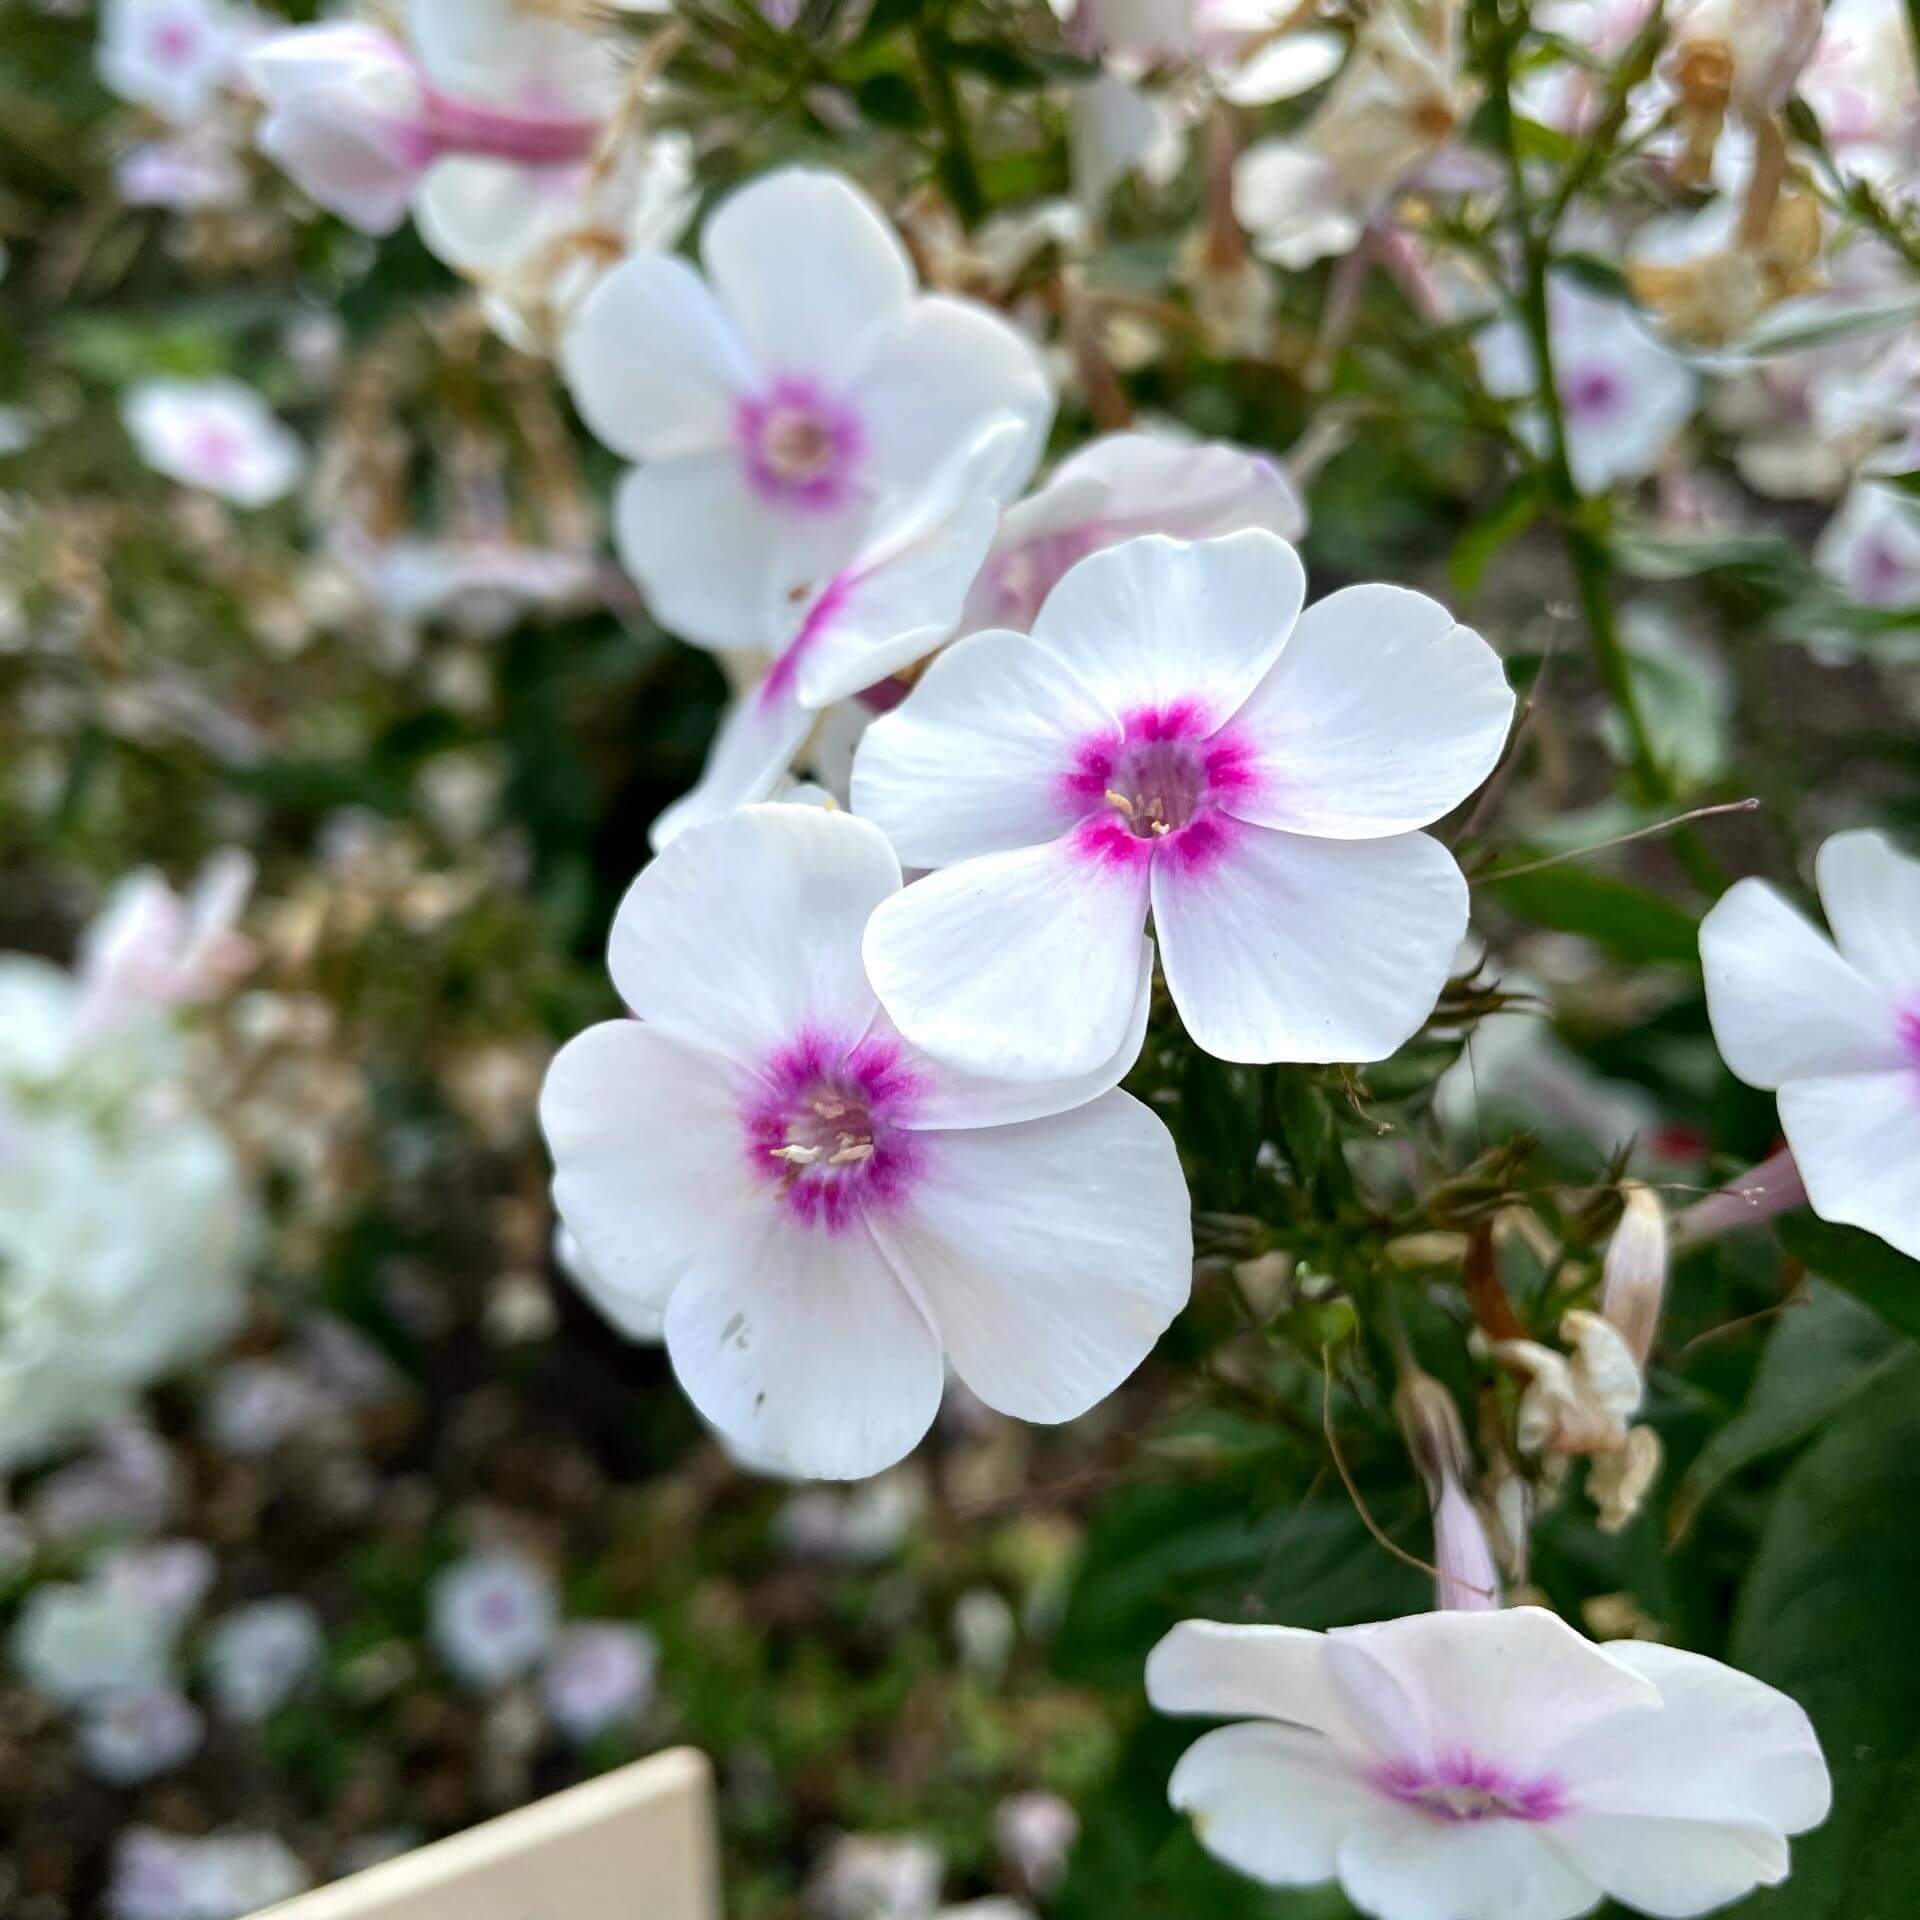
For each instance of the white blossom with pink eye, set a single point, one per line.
(172, 56)
(1832, 1027)
(1624, 396)
(825, 1216)
(216, 435)
(600, 1675)
(1113, 488)
(1176, 737)
(1487, 1766)
(492, 1616)
(1864, 88)
(1871, 546)
(782, 398)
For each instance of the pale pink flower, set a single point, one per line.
(1487, 1766)
(216, 435)
(170, 55)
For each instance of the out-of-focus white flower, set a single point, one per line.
(877, 1876)
(1624, 396)
(361, 120)
(1580, 1404)
(169, 1579)
(1864, 89)
(217, 435)
(128, 1484)
(831, 1213)
(1034, 1833)
(1871, 546)
(537, 245)
(1176, 736)
(1112, 489)
(259, 1656)
(255, 1404)
(1487, 1766)
(600, 1675)
(137, 1734)
(196, 170)
(163, 1876)
(861, 1527)
(171, 55)
(782, 398)
(493, 1617)
(151, 947)
(1745, 53)
(1568, 95)
(1832, 1026)
(1398, 100)
(77, 1644)
(480, 588)
(100, 1301)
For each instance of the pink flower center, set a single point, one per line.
(1910, 1033)
(1462, 1788)
(824, 1129)
(1880, 574)
(173, 42)
(800, 446)
(1591, 393)
(214, 449)
(498, 1611)
(1158, 789)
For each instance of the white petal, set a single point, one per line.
(653, 364)
(975, 759)
(1513, 1689)
(1380, 715)
(1272, 1802)
(934, 378)
(746, 932)
(1671, 1868)
(881, 618)
(808, 269)
(1286, 948)
(718, 565)
(801, 1345)
(1871, 893)
(1856, 1141)
(948, 1098)
(1283, 68)
(1403, 1865)
(751, 754)
(1784, 1004)
(1291, 202)
(648, 1157)
(1023, 965)
(514, 56)
(1156, 623)
(1276, 1673)
(481, 215)
(1052, 1255)
(1723, 1746)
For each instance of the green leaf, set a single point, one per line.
(1826, 1350)
(1860, 1264)
(1483, 542)
(1818, 322)
(1627, 920)
(1827, 1616)
(1182, 1550)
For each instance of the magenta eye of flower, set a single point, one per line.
(173, 41)
(1157, 786)
(799, 445)
(1464, 1789)
(1592, 392)
(1910, 1033)
(829, 1126)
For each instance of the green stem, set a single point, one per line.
(961, 174)
(1586, 550)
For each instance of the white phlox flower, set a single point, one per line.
(216, 435)
(1487, 1766)
(1399, 98)
(1178, 737)
(164, 1876)
(260, 1655)
(1832, 1027)
(1624, 395)
(172, 56)
(1864, 89)
(824, 1215)
(599, 1675)
(493, 1616)
(799, 386)
(1871, 546)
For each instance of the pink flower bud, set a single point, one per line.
(1467, 1579)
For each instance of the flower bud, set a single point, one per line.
(1634, 1274)
(1466, 1577)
